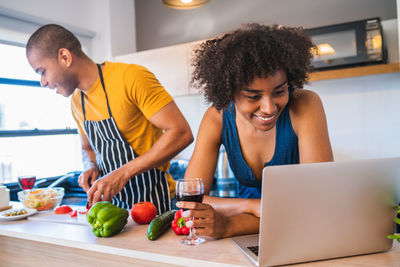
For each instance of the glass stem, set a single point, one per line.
(191, 234)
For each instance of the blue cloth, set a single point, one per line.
(286, 151)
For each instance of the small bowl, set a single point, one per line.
(41, 199)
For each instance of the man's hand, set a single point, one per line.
(105, 188)
(88, 177)
(210, 222)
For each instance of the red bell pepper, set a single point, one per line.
(73, 213)
(179, 224)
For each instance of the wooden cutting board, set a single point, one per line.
(50, 216)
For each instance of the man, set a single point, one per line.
(129, 125)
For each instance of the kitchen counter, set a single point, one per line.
(24, 242)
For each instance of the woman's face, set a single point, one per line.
(262, 101)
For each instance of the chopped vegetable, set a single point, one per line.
(42, 199)
(16, 212)
(73, 213)
(64, 209)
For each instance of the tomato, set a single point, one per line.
(64, 209)
(143, 212)
(73, 213)
(83, 212)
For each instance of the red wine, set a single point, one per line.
(193, 196)
(26, 182)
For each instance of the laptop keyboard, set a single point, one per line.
(254, 249)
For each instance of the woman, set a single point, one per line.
(252, 77)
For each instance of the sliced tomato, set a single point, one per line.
(82, 211)
(73, 213)
(64, 209)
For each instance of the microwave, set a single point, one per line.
(348, 44)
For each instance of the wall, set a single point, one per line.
(111, 23)
(159, 26)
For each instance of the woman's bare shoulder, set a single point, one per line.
(304, 101)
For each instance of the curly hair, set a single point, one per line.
(225, 64)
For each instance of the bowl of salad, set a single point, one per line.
(41, 199)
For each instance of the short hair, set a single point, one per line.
(50, 38)
(225, 64)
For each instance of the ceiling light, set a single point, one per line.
(184, 4)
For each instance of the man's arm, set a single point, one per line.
(91, 170)
(177, 135)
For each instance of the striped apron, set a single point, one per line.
(112, 151)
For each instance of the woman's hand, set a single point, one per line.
(88, 177)
(254, 207)
(105, 188)
(210, 222)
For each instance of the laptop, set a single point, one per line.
(324, 210)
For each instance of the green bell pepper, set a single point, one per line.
(107, 219)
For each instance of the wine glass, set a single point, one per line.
(190, 189)
(26, 181)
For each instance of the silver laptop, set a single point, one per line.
(324, 210)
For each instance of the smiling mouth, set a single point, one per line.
(266, 118)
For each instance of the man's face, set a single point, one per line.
(54, 74)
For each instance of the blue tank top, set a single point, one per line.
(286, 151)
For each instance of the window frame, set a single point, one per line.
(36, 131)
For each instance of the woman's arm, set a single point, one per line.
(216, 225)
(205, 155)
(309, 123)
(234, 206)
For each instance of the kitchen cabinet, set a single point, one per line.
(168, 64)
(354, 72)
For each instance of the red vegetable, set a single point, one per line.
(64, 209)
(179, 224)
(73, 213)
(143, 212)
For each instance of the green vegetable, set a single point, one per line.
(107, 219)
(396, 220)
(159, 224)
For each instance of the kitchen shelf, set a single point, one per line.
(354, 72)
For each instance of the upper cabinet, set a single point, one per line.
(168, 64)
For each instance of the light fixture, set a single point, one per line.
(185, 4)
(325, 49)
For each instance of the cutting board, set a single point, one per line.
(50, 216)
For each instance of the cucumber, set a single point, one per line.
(159, 224)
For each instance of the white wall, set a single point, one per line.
(111, 22)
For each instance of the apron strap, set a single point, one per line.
(83, 105)
(104, 89)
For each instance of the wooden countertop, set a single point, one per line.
(56, 244)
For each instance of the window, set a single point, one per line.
(37, 132)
